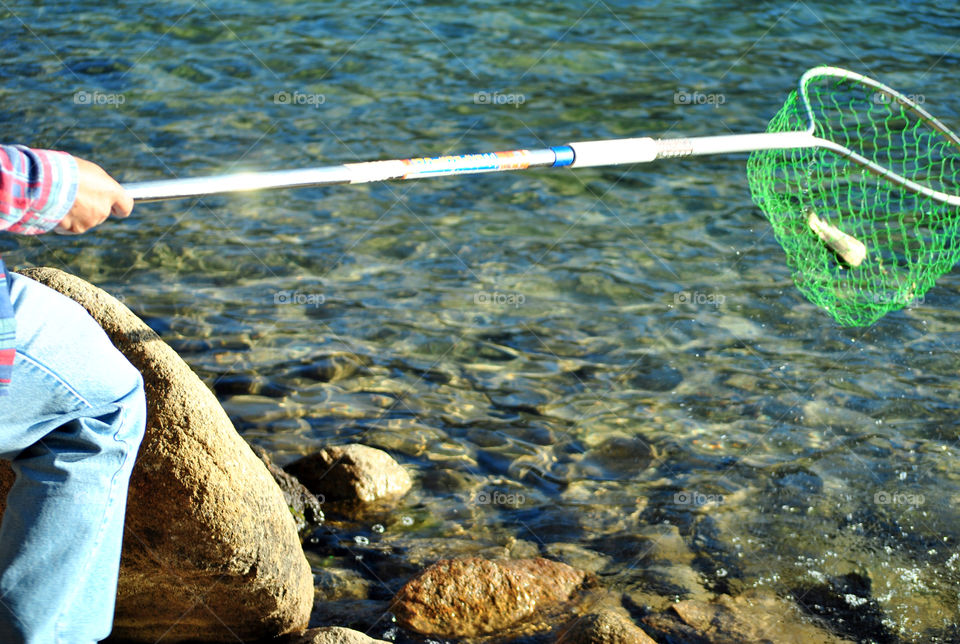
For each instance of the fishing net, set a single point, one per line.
(885, 177)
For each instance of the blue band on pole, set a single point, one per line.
(564, 155)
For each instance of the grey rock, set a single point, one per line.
(351, 475)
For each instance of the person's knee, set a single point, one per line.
(134, 405)
(117, 426)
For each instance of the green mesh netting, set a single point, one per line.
(911, 239)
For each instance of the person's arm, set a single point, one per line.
(42, 189)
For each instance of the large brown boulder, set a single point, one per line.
(210, 549)
(471, 596)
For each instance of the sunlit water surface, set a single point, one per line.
(560, 357)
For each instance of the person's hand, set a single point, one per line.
(98, 197)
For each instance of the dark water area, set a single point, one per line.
(578, 361)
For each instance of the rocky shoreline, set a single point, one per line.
(223, 545)
(501, 598)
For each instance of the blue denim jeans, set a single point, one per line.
(71, 427)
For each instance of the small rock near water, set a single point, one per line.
(351, 474)
(471, 596)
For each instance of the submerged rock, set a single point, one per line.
(578, 556)
(332, 583)
(846, 602)
(751, 617)
(359, 614)
(349, 476)
(603, 627)
(472, 597)
(210, 550)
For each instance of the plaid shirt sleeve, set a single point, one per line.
(37, 188)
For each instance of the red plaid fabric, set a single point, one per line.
(37, 189)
